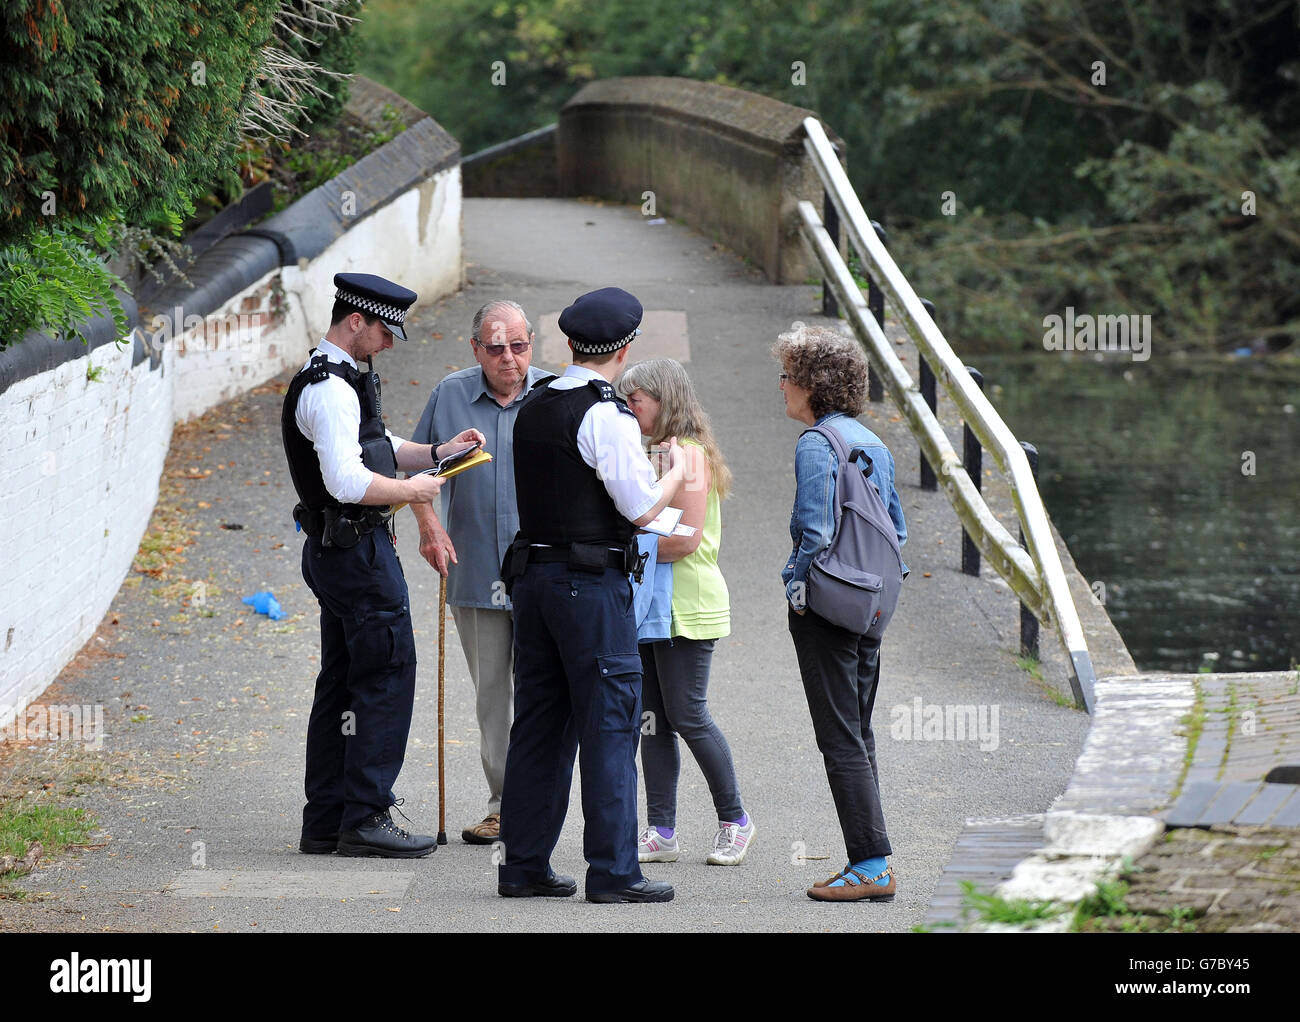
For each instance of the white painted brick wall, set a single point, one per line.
(61, 571)
(82, 457)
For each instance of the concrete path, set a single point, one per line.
(198, 784)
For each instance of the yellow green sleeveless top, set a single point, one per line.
(701, 606)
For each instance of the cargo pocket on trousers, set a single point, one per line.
(388, 634)
(618, 692)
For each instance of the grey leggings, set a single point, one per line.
(675, 678)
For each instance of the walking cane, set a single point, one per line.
(442, 654)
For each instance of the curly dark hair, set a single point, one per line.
(829, 365)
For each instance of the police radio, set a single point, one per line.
(372, 387)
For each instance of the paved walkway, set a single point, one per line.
(198, 786)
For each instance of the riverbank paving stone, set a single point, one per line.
(1251, 727)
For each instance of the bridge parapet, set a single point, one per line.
(729, 162)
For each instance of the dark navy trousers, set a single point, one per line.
(577, 687)
(361, 715)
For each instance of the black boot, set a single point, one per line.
(379, 836)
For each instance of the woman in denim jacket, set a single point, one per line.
(824, 382)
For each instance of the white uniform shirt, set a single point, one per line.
(329, 415)
(610, 442)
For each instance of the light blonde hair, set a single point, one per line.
(680, 414)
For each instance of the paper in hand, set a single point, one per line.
(668, 523)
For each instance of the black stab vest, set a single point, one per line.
(561, 498)
(376, 449)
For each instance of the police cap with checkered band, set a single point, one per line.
(366, 292)
(601, 321)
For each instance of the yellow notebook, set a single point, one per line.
(452, 465)
(449, 467)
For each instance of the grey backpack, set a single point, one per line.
(854, 583)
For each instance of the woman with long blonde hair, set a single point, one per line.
(676, 670)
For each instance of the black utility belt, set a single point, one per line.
(589, 557)
(341, 527)
(595, 557)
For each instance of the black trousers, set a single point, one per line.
(361, 714)
(840, 672)
(577, 689)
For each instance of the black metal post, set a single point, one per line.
(831, 221)
(876, 306)
(973, 458)
(928, 394)
(1029, 623)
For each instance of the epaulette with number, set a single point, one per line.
(607, 393)
(321, 368)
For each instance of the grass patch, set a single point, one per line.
(1231, 710)
(1192, 724)
(1034, 668)
(1106, 902)
(1106, 910)
(991, 908)
(39, 783)
(54, 827)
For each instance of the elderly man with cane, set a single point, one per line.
(482, 517)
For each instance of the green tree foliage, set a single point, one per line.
(121, 113)
(55, 278)
(126, 106)
(1190, 148)
(1117, 197)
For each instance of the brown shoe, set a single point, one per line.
(864, 890)
(484, 833)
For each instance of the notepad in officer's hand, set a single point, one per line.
(668, 523)
(458, 462)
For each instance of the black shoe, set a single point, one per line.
(554, 886)
(645, 890)
(379, 836)
(318, 845)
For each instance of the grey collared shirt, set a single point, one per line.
(479, 509)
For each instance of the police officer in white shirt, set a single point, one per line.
(583, 485)
(344, 465)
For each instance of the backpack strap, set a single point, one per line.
(836, 441)
(833, 438)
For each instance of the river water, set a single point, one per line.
(1176, 485)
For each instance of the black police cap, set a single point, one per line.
(377, 296)
(601, 321)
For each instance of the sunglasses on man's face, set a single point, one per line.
(497, 350)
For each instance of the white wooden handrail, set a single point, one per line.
(1036, 576)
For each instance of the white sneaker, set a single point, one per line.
(653, 847)
(731, 843)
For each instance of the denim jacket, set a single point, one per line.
(812, 523)
(652, 597)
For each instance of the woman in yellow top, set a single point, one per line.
(676, 670)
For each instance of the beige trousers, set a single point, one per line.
(487, 639)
